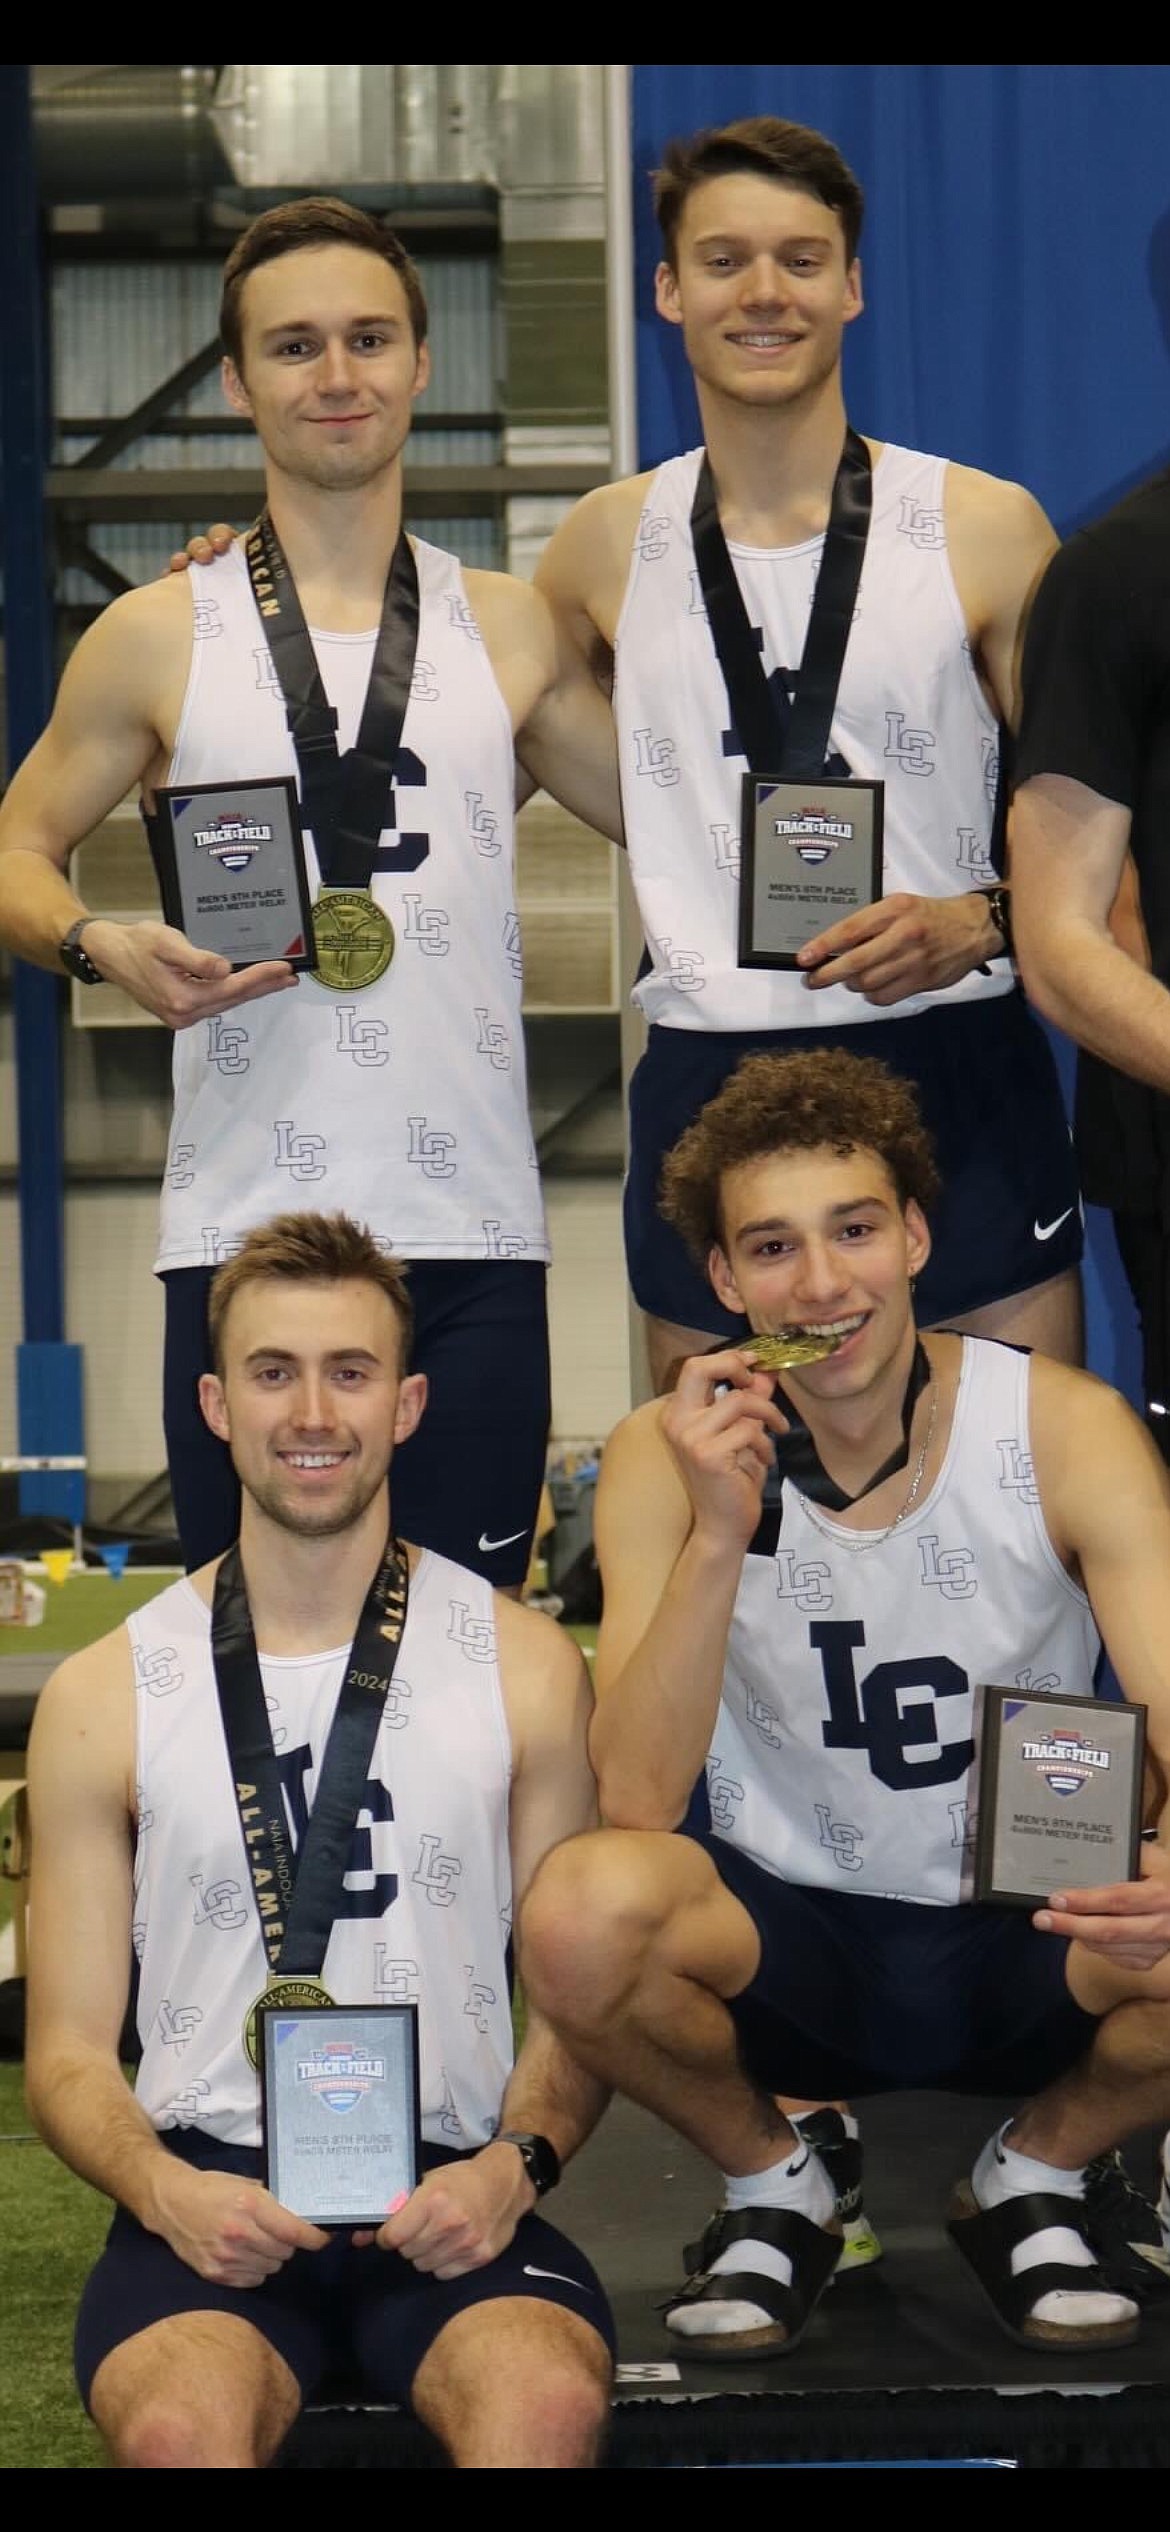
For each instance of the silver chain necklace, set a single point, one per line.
(861, 1544)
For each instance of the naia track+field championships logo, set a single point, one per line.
(233, 839)
(1066, 1760)
(813, 834)
(341, 2072)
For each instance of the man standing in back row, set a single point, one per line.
(394, 1089)
(760, 223)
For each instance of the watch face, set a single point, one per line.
(540, 2159)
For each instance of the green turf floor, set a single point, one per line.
(51, 2229)
(82, 1608)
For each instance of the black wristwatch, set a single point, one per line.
(540, 2159)
(74, 959)
(999, 907)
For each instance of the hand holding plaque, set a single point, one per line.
(810, 854)
(340, 2109)
(230, 861)
(1060, 1795)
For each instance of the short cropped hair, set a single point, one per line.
(757, 145)
(309, 1248)
(805, 1102)
(316, 219)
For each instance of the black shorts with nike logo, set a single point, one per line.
(991, 1097)
(340, 2312)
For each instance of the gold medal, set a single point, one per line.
(784, 1351)
(289, 1995)
(353, 938)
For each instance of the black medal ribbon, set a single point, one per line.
(798, 1459)
(779, 736)
(296, 1890)
(345, 799)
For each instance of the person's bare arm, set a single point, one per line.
(1068, 850)
(105, 734)
(554, 1796)
(1105, 1492)
(561, 721)
(998, 540)
(678, 1499)
(585, 567)
(568, 744)
(461, 2216)
(80, 1777)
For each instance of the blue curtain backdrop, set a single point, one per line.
(1016, 268)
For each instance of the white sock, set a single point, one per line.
(1001, 2173)
(801, 2183)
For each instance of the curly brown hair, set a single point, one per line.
(818, 1100)
(309, 1248)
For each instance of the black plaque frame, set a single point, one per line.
(177, 904)
(313, 2027)
(1046, 1711)
(827, 911)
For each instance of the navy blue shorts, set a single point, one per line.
(855, 1995)
(1009, 1215)
(468, 1483)
(337, 2311)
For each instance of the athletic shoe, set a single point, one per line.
(841, 2154)
(1126, 2230)
(1164, 2191)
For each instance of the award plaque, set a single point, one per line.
(339, 2093)
(811, 853)
(230, 859)
(1060, 1795)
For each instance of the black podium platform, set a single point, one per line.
(903, 2363)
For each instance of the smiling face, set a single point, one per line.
(818, 1239)
(312, 1402)
(762, 290)
(329, 368)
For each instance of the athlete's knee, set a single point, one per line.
(566, 2414)
(167, 2432)
(595, 1908)
(543, 2403)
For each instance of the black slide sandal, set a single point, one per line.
(987, 2236)
(814, 2251)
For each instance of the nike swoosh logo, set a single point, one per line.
(486, 1544)
(558, 2275)
(1042, 1230)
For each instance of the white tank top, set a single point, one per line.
(842, 1755)
(406, 1104)
(432, 1838)
(910, 713)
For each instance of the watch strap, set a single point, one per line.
(75, 960)
(540, 2158)
(997, 897)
